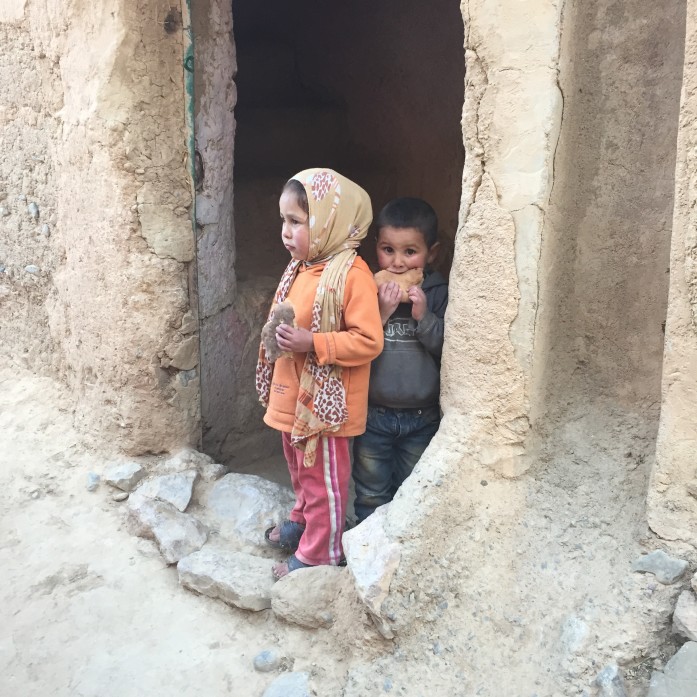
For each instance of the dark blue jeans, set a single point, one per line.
(385, 455)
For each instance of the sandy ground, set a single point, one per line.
(86, 610)
(543, 597)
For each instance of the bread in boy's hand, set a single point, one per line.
(412, 277)
(283, 313)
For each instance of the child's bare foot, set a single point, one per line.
(285, 535)
(285, 567)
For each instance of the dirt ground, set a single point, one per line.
(544, 593)
(86, 609)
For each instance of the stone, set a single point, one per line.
(679, 677)
(32, 268)
(124, 475)
(665, 568)
(33, 210)
(211, 472)
(372, 560)
(173, 488)
(92, 481)
(4, 212)
(573, 634)
(121, 496)
(243, 506)
(188, 458)
(182, 355)
(693, 583)
(289, 685)
(177, 535)
(307, 596)
(236, 578)
(266, 661)
(610, 682)
(685, 616)
(692, 488)
(46, 230)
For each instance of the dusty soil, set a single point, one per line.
(88, 610)
(544, 596)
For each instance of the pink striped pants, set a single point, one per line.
(321, 495)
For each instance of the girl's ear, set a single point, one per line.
(432, 252)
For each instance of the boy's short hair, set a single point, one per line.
(410, 212)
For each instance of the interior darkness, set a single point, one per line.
(373, 90)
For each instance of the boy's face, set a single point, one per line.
(403, 248)
(295, 231)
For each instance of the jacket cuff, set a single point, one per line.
(325, 348)
(427, 322)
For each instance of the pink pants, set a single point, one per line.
(321, 494)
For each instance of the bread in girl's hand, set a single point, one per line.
(283, 313)
(412, 277)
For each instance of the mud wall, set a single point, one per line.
(673, 492)
(559, 283)
(94, 136)
(606, 240)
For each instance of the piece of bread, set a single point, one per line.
(412, 277)
(283, 313)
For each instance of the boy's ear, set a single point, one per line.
(432, 252)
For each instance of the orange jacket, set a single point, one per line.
(353, 348)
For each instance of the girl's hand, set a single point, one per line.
(389, 295)
(418, 299)
(295, 340)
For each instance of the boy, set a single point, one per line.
(403, 407)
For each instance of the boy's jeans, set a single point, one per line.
(385, 455)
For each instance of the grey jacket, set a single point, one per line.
(406, 374)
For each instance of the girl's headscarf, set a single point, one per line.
(339, 216)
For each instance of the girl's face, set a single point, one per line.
(295, 231)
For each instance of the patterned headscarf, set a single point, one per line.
(339, 216)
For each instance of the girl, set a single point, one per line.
(318, 397)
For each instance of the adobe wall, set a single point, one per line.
(672, 501)
(93, 131)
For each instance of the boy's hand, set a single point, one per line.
(295, 340)
(389, 295)
(418, 299)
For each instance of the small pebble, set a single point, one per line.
(92, 481)
(266, 661)
(4, 212)
(46, 230)
(31, 268)
(387, 684)
(33, 210)
(484, 482)
(121, 496)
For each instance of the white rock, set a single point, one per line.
(679, 677)
(172, 488)
(307, 596)
(685, 616)
(610, 682)
(372, 560)
(176, 534)
(124, 475)
(289, 685)
(238, 579)
(185, 459)
(242, 506)
(693, 583)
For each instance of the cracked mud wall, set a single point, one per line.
(559, 285)
(511, 121)
(94, 134)
(672, 501)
